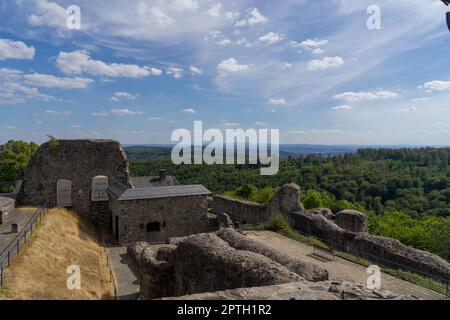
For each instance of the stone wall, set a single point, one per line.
(244, 212)
(352, 220)
(284, 202)
(7, 204)
(176, 216)
(206, 263)
(78, 161)
(385, 251)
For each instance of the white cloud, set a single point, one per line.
(14, 91)
(230, 66)
(125, 112)
(118, 96)
(75, 126)
(177, 73)
(155, 72)
(436, 85)
(214, 11)
(10, 49)
(48, 14)
(271, 38)
(342, 107)
(58, 113)
(277, 101)
(318, 51)
(79, 61)
(189, 110)
(154, 118)
(254, 17)
(186, 5)
(195, 70)
(309, 44)
(49, 81)
(285, 65)
(224, 42)
(361, 96)
(325, 63)
(102, 113)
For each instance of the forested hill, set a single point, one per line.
(414, 181)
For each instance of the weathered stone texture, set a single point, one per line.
(206, 263)
(7, 205)
(392, 253)
(285, 201)
(306, 270)
(177, 217)
(300, 291)
(78, 161)
(244, 212)
(224, 221)
(327, 213)
(352, 220)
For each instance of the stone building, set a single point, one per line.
(92, 178)
(156, 214)
(75, 173)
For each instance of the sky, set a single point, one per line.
(136, 70)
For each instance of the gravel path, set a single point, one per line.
(126, 280)
(340, 269)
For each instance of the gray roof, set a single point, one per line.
(148, 182)
(122, 193)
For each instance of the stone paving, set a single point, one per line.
(126, 280)
(18, 216)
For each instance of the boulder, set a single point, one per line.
(224, 221)
(206, 263)
(306, 270)
(301, 291)
(327, 213)
(353, 221)
(7, 204)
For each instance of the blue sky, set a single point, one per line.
(139, 69)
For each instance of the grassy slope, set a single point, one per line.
(39, 271)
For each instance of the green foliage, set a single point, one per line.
(245, 192)
(14, 157)
(53, 142)
(313, 199)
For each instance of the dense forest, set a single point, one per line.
(414, 181)
(405, 192)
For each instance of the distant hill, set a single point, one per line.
(162, 152)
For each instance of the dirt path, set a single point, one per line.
(340, 269)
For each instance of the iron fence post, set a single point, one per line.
(1, 276)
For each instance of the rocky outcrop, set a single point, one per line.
(352, 220)
(206, 263)
(392, 253)
(306, 270)
(286, 201)
(301, 291)
(327, 213)
(224, 221)
(7, 205)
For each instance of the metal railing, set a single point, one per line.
(111, 274)
(20, 239)
(385, 263)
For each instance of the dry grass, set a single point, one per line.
(39, 271)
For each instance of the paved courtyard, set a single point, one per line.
(340, 269)
(126, 280)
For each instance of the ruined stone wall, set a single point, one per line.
(78, 161)
(177, 217)
(203, 263)
(245, 212)
(285, 201)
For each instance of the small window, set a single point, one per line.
(153, 227)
